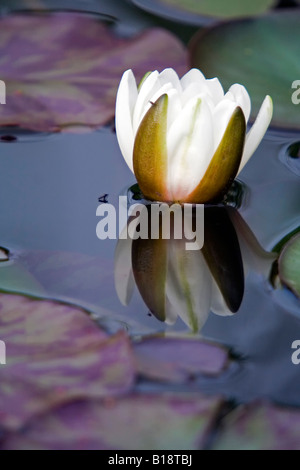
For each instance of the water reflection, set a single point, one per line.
(175, 282)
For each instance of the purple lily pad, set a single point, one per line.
(261, 426)
(179, 359)
(56, 354)
(62, 70)
(74, 275)
(134, 422)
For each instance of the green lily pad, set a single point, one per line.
(203, 11)
(289, 265)
(261, 54)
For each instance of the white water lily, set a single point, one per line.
(185, 140)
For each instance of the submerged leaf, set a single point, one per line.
(179, 359)
(62, 70)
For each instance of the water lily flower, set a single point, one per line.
(185, 140)
(175, 282)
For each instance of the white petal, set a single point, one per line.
(221, 117)
(241, 98)
(149, 87)
(174, 104)
(229, 96)
(258, 130)
(218, 304)
(196, 89)
(188, 286)
(124, 280)
(125, 102)
(170, 76)
(190, 145)
(193, 76)
(165, 89)
(215, 90)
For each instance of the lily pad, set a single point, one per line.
(137, 422)
(289, 265)
(62, 70)
(204, 11)
(179, 359)
(55, 354)
(261, 426)
(262, 54)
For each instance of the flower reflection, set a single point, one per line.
(174, 281)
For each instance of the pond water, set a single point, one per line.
(49, 190)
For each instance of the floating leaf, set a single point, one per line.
(179, 359)
(262, 54)
(135, 422)
(55, 354)
(201, 11)
(62, 70)
(261, 426)
(289, 264)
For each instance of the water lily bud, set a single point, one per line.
(185, 140)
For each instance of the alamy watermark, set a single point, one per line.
(2, 92)
(296, 353)
(2, 353)
(153, 221)
(296, 93)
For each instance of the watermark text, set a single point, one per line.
(2, 92)
(296, 353)
(2, 353)
(155, 221)
(296, 93)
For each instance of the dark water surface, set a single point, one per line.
(49, 190)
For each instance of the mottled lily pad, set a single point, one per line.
(203, 11)
(289, 265)
(55, 354)
(262, 54)
(135, 422)
(261, 426)
(179, 359)
(62, 70)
